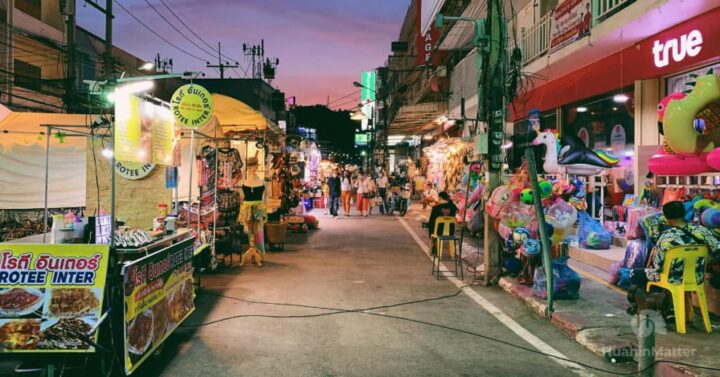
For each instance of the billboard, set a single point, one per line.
(362, 139)
(367, 93)
(51, 296)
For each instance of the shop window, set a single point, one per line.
(606, 122)
(27, 76)
(31, 7)
(523, 137)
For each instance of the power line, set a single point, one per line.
(193, 32)
(158, 35)
(178, 30)
(346, 96)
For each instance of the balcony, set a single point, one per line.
(535, 41)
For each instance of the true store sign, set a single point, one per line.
(689, 44)
(677, 49)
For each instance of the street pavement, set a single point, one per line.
(290, 317)
(352, 263)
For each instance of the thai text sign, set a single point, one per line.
(51, 296)
(158, 295)
(192, 105)
(571, 20)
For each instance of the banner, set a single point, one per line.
(571, 20)
(128, 131)
(159, 295)
(163, 132)
(50, 296)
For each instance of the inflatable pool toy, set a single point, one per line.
(572, 158)
(710, 218)
(546, 189)
(679, 114)
(526, 196)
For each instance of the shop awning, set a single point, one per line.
(234, 115)
(22, 160)
(411, 119)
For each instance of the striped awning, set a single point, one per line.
(412, 119)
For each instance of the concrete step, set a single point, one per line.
(601, 259)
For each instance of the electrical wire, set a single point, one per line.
(212, 54)
(193, 32)
(354, 92)
(335, 311)
(151, 30)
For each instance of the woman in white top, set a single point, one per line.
(346, 192)
(367, 186)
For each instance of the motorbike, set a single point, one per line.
(399, 201)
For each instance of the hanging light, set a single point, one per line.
(582, 109)
(358, 115)
(621, 98)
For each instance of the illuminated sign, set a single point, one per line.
(689, 44)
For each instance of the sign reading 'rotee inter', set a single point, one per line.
(192, 105)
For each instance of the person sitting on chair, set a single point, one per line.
(678, 233)
(445, 207)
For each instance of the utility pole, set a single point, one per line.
(108, 12)
(490, 42)
(163, 64)
(255, 52)
(222, 67)
(70, 69)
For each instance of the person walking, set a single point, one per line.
(333, 184)
(346, 188)
(359, 190)
(367, 188)
(382, 186)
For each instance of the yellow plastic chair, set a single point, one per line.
(440, 240)
(690, 254)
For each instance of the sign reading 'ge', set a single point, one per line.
(677, 49)
(192, 106)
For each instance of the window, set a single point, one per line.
(27, 76)
(606, 122)
(31, 7)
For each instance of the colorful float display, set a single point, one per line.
(689, 123)
(569, 155)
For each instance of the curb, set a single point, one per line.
(599, 340)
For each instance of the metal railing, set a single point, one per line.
(602, 9)
(535, 41)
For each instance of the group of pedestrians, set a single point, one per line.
(343, 185)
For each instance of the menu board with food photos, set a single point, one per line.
(51, 296)
(159, 295)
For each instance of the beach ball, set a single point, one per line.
(546, 189)
(526, 196)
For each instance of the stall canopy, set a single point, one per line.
(411, 119)
(22, 160)
(234, 115)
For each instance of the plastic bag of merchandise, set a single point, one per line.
(634, 215)
(499, 199)
(475, 224)
(566, 282)
(517, 215)
(614, 272)
(624, 279)
(561, 214)
(591, 234)
(635, 254)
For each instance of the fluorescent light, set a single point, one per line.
(135, 87)
(147, 66)
(621, 98)
(581, 109)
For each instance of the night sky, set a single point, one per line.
(323, 45)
